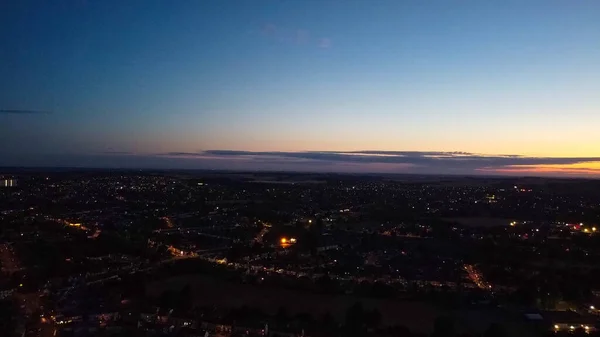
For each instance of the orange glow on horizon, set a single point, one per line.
(581, 169)
(527, 144)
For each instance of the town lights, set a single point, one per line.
(286, 242)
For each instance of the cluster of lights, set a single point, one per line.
(8, 183)
(572, 327)
(286, 241)
(64, 322)
(587, 230)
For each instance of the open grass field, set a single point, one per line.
(418, 316)
(480, 221)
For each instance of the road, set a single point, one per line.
(28, 303)
(8, 259)
(476, 277)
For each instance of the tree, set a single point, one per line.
(8, 313)
(355, 315)
(382, 290)
(134, 286)
(355, 320)
(444, 326)
(165, 299)
(326, 284)
(185, 299)
(305, 320)
(281, 317)
(327, 322)
(495, 330)
(373, 318)
(400, 331)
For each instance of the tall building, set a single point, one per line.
(8, 183)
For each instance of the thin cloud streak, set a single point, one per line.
(456, 159)
(436, 161)
(113, 152)
(407, 162)
(370, 161)
(24, 112)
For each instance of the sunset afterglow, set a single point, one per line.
(487, 79)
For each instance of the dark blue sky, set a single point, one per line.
(149, 78)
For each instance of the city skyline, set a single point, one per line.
(411, 87)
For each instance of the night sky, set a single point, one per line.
(437, 86)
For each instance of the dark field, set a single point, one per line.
(480, 222)
(418, 316)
